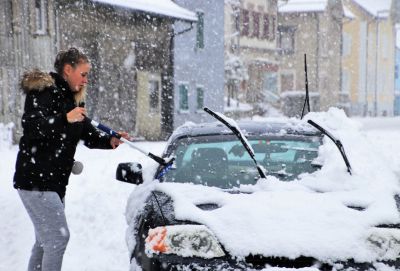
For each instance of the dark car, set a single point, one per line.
(213, 158)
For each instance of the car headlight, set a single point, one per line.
(385, 242)
(183, 240)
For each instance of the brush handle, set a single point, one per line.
(104, 128)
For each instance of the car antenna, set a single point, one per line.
(337, 143)
(236, 130)
(307, 98)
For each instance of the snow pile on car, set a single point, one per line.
(329, 215)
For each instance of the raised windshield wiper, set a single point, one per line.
(236, 130)
(336, 141)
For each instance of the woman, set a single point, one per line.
(53, 123)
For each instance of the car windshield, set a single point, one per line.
(222, 161)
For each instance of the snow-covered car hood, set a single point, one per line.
(286, 220)
(329, 215)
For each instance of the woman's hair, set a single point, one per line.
(73, 57)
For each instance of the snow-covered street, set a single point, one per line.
(95, 202)
(95, 207)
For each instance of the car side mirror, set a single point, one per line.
(130, 173)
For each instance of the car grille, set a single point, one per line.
(260, 262)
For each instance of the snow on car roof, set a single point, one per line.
(289, 126)
(328, 214)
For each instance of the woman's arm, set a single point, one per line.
(93, 138)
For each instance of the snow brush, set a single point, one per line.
(161, 161)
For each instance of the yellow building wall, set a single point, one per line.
(386, 64)
(381, 67)
(350, 60)
(378, 85)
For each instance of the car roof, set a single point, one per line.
(290, 127)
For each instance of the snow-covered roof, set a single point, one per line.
(379, 8)
(304, 6)
(348, 13)
(161, 7)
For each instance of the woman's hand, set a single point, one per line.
(76, 115)
(115, 142)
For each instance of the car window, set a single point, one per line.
(223, 162)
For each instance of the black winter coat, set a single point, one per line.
(48, 145)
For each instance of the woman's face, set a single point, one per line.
(77, 77)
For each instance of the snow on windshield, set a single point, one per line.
(328, 214)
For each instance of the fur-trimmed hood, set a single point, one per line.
(36, 80)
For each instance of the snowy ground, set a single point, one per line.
(95, 207)
(95, 202)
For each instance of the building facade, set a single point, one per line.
(199, 62)
(251, 59)
(27, 40)
(315, 30)
(129, 47)
(369, 58)
(397, 83)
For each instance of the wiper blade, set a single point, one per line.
(239, 135)
(337, 143)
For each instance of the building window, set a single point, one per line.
(256, 24)
(346, 82)
(287, 39)
(183, 97)
(200, 30)
(266, 34)
(154, 96)
(287, 82)
(245, 23)
(385, 46)
(270, 87)
(272, 28)
(40, 16)
(234, 41)
(200, 98)
(236, 20)
(346, 44)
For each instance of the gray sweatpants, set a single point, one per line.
(46, 211)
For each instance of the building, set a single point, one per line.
(199, 62)
(129, 44)
(312, 28)
(369, 57)
(353, 64)
(397, 83)
(395, 14)
(27, 40)
(251, 59)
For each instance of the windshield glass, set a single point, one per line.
(223, 162)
